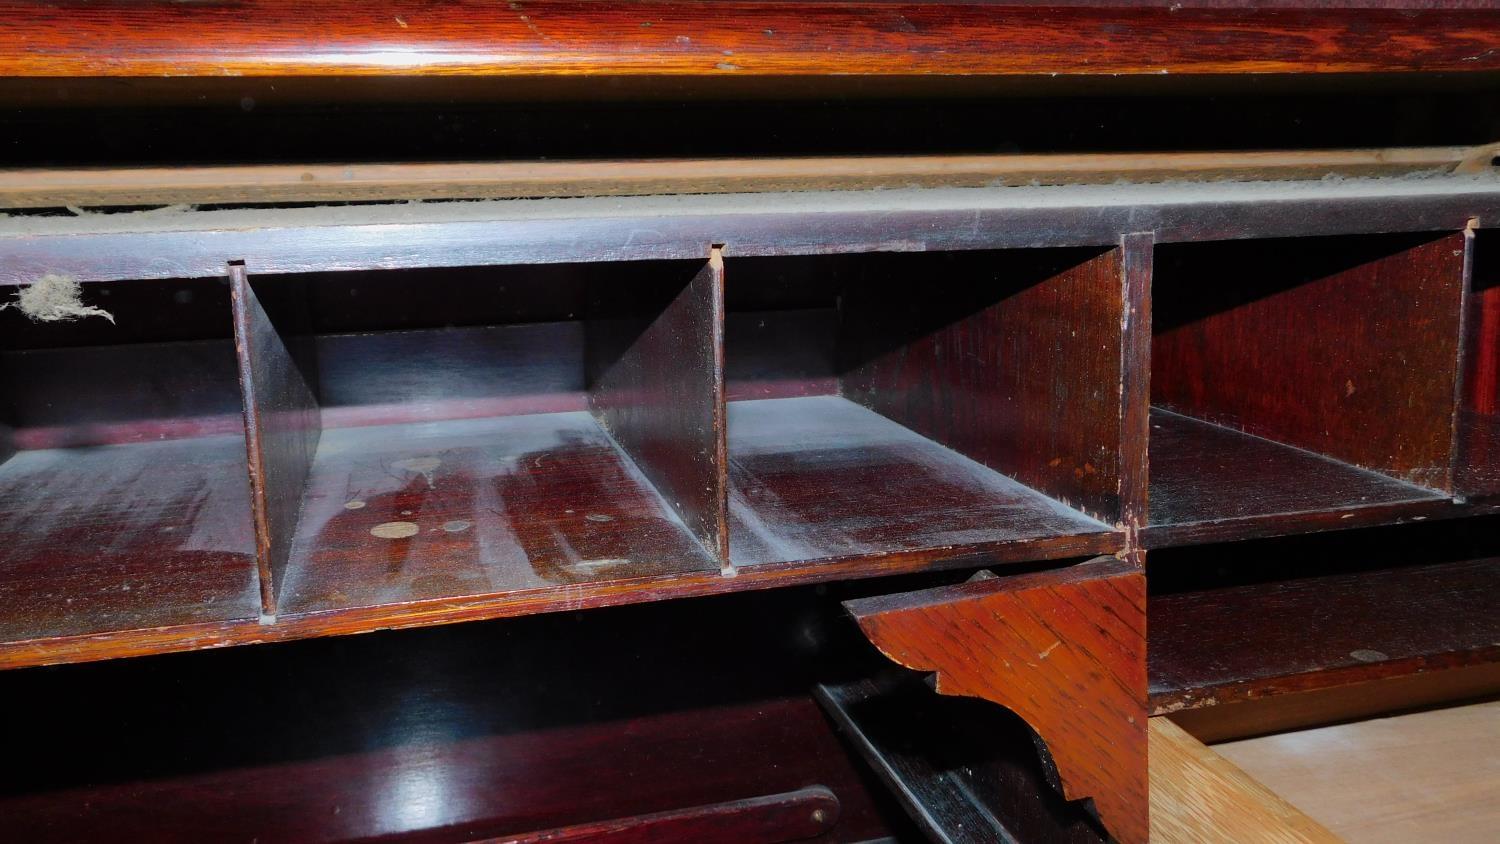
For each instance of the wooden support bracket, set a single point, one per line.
(1065, 650)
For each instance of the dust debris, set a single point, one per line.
(55, 298)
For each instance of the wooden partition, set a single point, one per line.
(282, 421)
(1308, 379)
(659, 392)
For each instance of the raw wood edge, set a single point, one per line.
(1199, 797)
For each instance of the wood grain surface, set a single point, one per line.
(1063, 649)
(1258, 336)
(283, 38)
(822, 479)
(1012, 358)
(1210, 483)
(1287, 636)
(1199, 797)
(1424, 776)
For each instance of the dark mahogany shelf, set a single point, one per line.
(454, 734)
(400, 513)
(1214, 646)
(542, 512)
(822, 478)
(1210, 483)
(108, 538)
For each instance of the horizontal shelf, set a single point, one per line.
(823, 478)
(125, 537)
(1214, 646)
(507, 784)
(440, 735)
(421, 511)
(426, 523)
(1210, 483)
(535, 511)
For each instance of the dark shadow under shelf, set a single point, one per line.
(821, 477)
(125, 537)
(1213, 646)
(1210, 483)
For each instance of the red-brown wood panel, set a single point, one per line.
(726, 39)
(1479, 451)
(1343, 346)
(1012, 358)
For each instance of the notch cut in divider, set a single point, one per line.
(656, 385)
(1012, 358)
(282, 419)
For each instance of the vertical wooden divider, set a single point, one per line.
(282, 428)
(660, 395)
(1016, 361)
(1477, 458)
(1137, 252)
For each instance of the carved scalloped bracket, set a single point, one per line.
(1063, 649)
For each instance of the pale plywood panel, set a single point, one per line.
(1198, 797)
(1426, 776)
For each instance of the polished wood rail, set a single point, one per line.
(695, 38)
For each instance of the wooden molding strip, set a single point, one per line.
(43, 188)
(1199, 797)
(697, 38)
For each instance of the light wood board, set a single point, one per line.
(1199, 797)
(1426, 776)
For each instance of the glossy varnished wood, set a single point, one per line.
(687, 38)
(133, 537)
(415, 512)
(772, 819)
(1261, 337)
(1210, 483)
(441, 735)
(822, 479)
(1011, 358)
(1064, 649)
(282, 425)
(659, 393)
(1217, 646)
